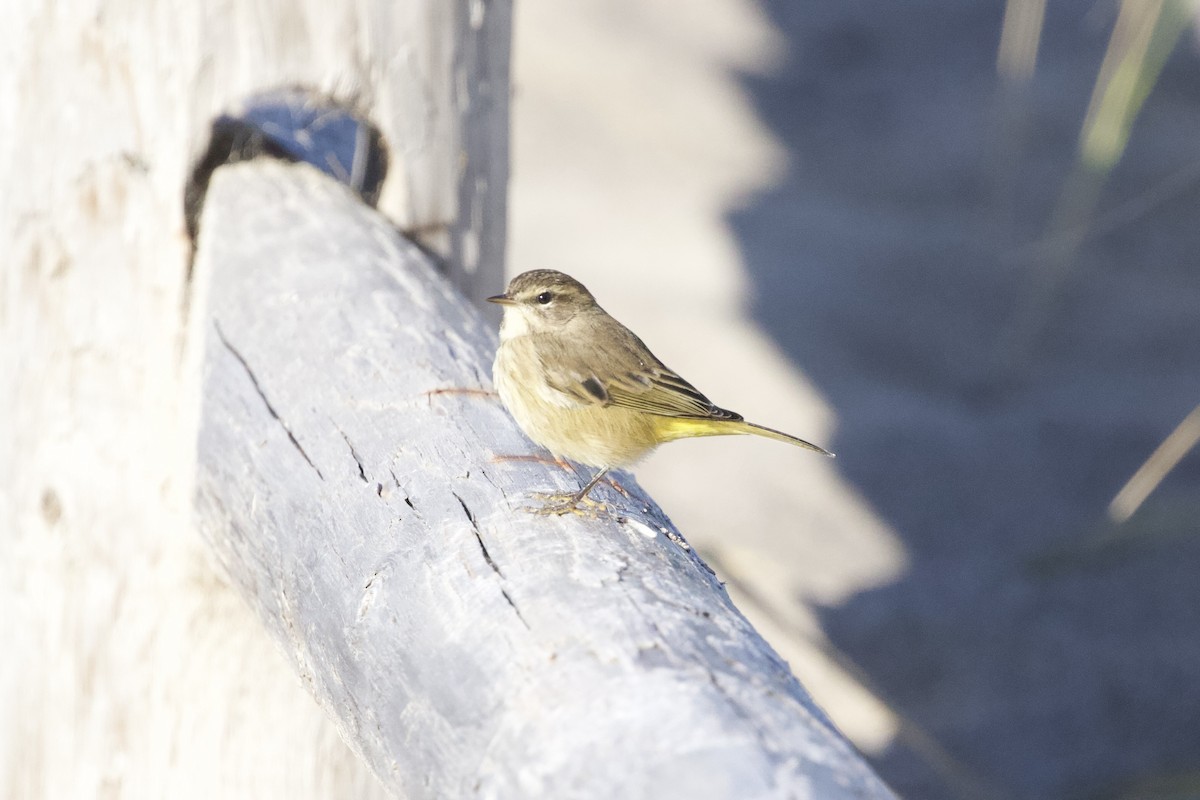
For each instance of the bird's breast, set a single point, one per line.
(601, 436)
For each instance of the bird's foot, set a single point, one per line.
(557, 504)
(532, 458)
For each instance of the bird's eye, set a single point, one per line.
(544, 298)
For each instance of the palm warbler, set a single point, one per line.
(583, 386)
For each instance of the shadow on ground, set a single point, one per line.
(889, 262)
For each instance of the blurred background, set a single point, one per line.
(959, 244)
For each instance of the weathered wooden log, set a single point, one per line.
(351, 480)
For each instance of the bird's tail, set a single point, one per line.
(671, 428)
(771, 433)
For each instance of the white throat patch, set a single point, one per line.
(515, 322)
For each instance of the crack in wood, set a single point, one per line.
(475, 527)
(270, 408)
(407, 500)
(488, 557)
(357, 459)
(516, 610)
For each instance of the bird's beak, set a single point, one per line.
(502, 299)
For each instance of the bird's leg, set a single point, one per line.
(582, 493)
(461, 390)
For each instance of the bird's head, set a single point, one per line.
(541, 301)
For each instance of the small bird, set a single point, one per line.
(583, 386)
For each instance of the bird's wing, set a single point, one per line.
(624, 373)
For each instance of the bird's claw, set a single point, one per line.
(557, 504)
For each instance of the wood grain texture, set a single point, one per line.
(132, 671)
(465, 647)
